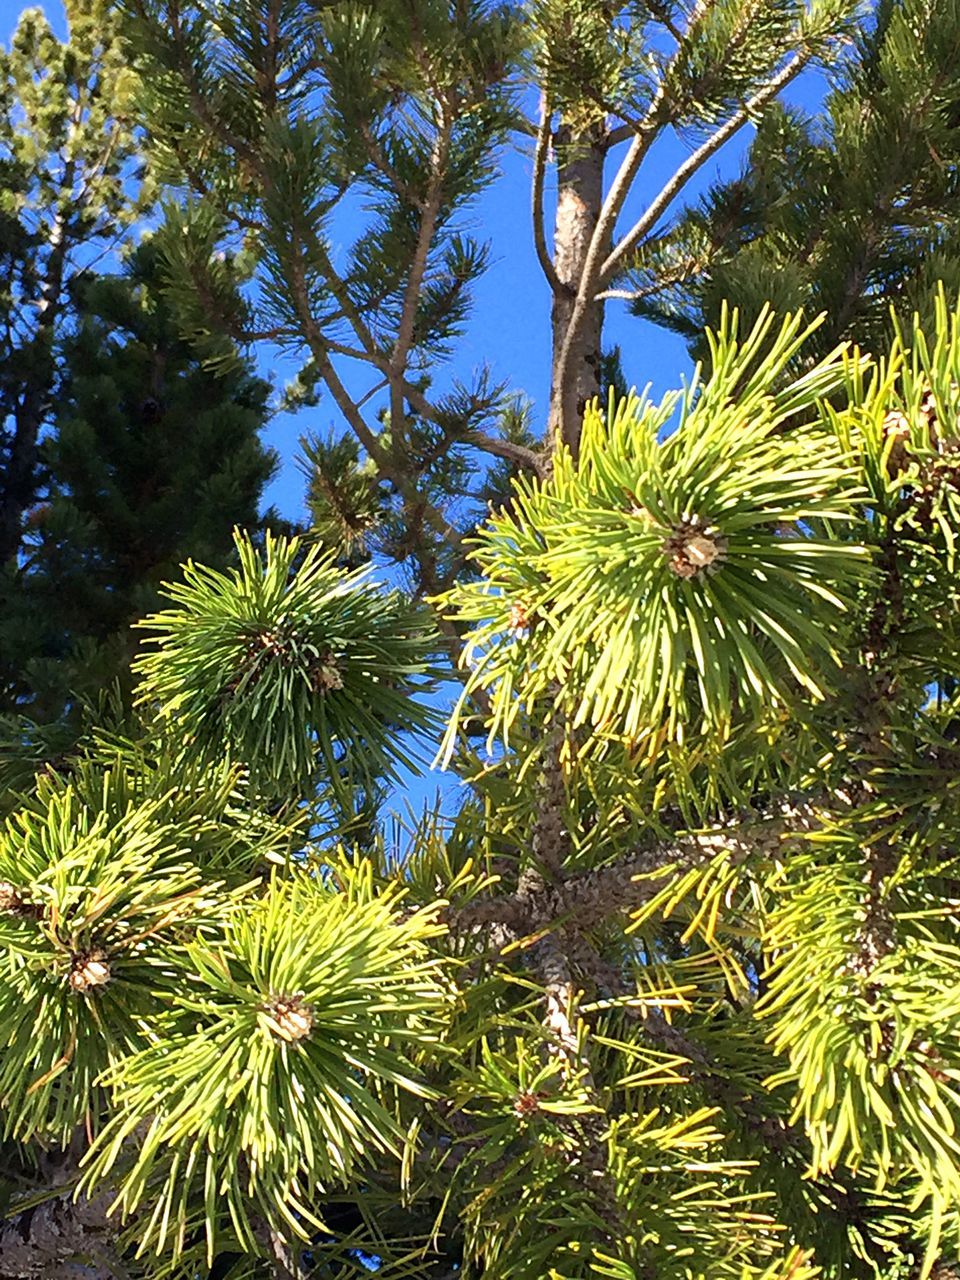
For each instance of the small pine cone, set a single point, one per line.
(292, 1019)
(326, 674)
(89, 971)
(526, 1104)
(693, 548)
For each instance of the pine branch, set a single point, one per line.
(590, 897)
(539, 178)
(698, 159)
(519, 454)
(380, 162)
(430, 211)
(45, 1243)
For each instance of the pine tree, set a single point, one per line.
(152, 459)
(673, 994)
(272, 117)
(845, 212)
(71, 184)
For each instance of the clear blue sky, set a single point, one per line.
(510, 324)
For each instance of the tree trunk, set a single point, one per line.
(61, 1239)
(579, 200)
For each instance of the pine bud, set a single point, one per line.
(10, 899)
(326, 674)
(518, 619)
(526, 1104)
(291, 1019)
(13, 903)
(896, 432)
(89, 971)
(693, 548)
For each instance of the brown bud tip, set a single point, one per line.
(10, 899)
(13, 903)
(326, 674)
(518, 619)
(693, 548)
(525, 1104)
(291, 1019)
(89, 971)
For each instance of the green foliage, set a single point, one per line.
(671, 583)
(671, 993)
(846, 211)
(84, 893)
(277, 1072)
(154, 458)
(73, 182)
(277, 668)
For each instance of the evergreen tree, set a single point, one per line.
(153, 458)
(71, 184)
(674, 994)
(845, 212)
(271, 117)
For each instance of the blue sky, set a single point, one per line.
(509, 329)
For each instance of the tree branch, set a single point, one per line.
(430, 211)
(685, 172)
(587, 899)
(51, 1241)
(539, 178)
(529, 459)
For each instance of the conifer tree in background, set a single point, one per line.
(71, 185)
(848, 212)
(152, 459)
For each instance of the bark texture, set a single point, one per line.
(60, 1240)
(579, 201)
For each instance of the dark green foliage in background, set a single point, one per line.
(154, 459)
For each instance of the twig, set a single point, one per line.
(539, 177)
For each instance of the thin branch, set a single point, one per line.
(428, 222)
(347, 406)
(379, 161)
(539, 178)
(622, 133)
(699, 158)
(519, 454)
(677, 276)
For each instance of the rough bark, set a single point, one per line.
(60, 1240)
(579, 201)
